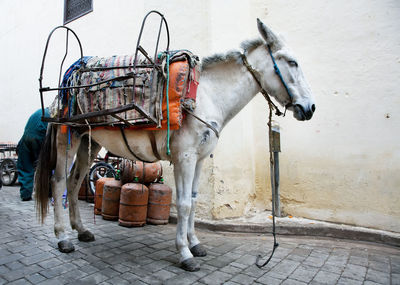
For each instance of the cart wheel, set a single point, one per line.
(8, 172)
(99, 170)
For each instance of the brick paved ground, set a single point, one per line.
(28, 255)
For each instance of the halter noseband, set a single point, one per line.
(255, 75)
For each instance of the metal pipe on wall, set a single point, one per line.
(275, 147)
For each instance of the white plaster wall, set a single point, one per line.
(341, 166)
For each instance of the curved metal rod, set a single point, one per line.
(60, 72)
(63, 60)
(44, 58)
(163, 20)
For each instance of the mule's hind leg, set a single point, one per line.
(184, 170)
(194, 244)
(75, 179)
(58, 183)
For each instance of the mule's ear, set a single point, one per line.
(269, 36)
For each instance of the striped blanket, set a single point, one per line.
(119, 89)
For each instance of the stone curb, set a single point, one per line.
(302, 227)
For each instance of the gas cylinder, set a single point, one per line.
(110, 201)
(160, 196)
(151, 172)
(98, 198)
(128, 170)
(133, 205)
(145, 172)
(85, 193)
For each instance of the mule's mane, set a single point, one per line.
(248, 46)
(233, 55)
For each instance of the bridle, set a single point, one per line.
(256, 76)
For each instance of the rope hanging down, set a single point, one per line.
(272, 106)
(272, 168)
(167, 101)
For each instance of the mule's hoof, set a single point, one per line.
(65, 246)
(198, 250)
(190, 264)
(86, 236)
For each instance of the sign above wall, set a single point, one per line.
(73, 9)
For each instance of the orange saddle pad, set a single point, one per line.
(178, 84)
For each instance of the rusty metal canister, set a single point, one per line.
(98, 198)
(144, 172)
(110, 201)
(133, 205)
(85, 193)
(160, 196)
(152, 172)
(128, 170)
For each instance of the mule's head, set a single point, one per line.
(296, 95)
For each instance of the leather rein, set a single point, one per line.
(256, 76)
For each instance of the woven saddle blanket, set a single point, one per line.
(110, 85)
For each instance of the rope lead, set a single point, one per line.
(271, 159)
(167, 101)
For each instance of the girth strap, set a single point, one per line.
(153, 143)
(153, 139)
(128, 147)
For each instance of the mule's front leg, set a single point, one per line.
(184, 173)
(75, 180)
(194, 244)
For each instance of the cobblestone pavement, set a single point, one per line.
(146, 255)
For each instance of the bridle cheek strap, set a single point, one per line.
(256, 76)
(278, 72)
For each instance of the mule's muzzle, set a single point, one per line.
(302, 114)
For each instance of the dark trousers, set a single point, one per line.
(28, 152)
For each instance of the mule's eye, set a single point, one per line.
(293, 63)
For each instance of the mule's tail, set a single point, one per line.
(46, 164)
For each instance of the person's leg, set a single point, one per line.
(25, 168)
